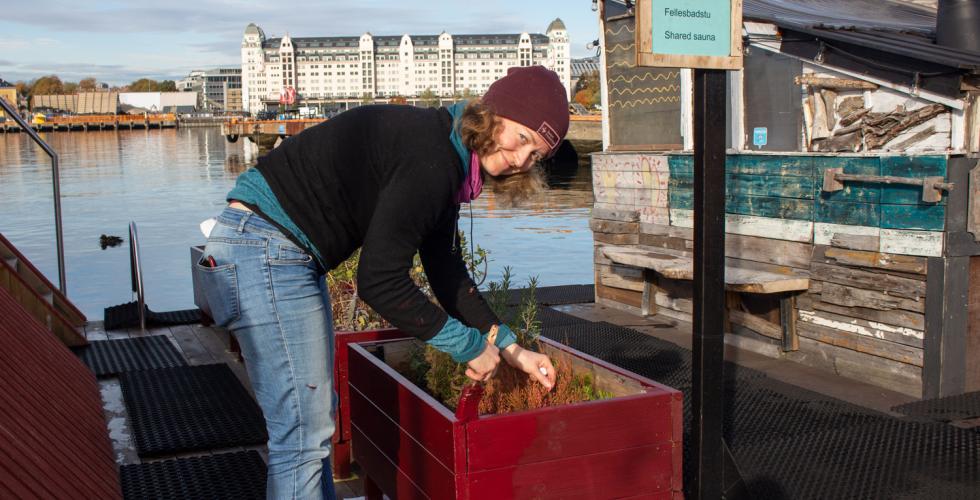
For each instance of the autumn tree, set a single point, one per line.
(47, 85)
(87, 84)
(587, 90)
(167, 86)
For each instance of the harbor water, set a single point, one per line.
(168, 181)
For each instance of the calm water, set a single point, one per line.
(167, 181)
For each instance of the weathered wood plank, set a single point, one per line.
(878, 260)
(667, 230)
(869, 280)
(783, 229)
(620, 277)
(756, 324)
(617, 239)
(627, 297)
(913, 217)
(613, 227)
(862, 344)
(846, 213)
(850, 296)
(902, 242)
(833, 83)
(629, 162)
(796, 166)
(899, 317)
(667, 242)
(776, 208)
(882, 372)
(855, 237)
(599, 212)
(680, 164)
(892, 333)
(770, 185)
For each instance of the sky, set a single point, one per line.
(119, 41)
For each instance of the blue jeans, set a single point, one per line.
(270, 294)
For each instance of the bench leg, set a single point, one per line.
(648, 305)
(787, 319)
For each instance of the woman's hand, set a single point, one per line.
(535, 364)
(482, 367)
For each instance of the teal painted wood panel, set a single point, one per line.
(798, 166)
(680, 164)
(764, 206)
(853, 192)
(776, 186)
(921, 217)
(910, 166)
(855, 214)
(682, 198)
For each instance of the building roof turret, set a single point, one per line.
(557, 24)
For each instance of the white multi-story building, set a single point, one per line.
(328, 68)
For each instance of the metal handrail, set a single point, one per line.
(136, 273)
(55, 181)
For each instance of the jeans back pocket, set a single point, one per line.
(221, 292)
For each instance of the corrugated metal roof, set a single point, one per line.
(890, 26)
(53, 437)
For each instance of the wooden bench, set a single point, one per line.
(678, 266)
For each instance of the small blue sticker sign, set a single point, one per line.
(282, 129)
(760, 136)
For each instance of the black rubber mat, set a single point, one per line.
(240, 475)
(555, 295)
(190, 408)
(111, 357)
(946, 409)
(546, 316)
(127, 316)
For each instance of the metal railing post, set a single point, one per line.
(55, 180)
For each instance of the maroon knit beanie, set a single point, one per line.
(534, 97)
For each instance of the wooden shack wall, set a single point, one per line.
(865, 250)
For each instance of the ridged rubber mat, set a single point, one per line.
(232, 476)
(792, 443)
(127, 316)
(111, 357)
(555, 295)
(190, 408)
(945, 409)
(547, 316)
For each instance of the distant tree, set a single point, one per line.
(69, 87)
(428, 98)
(167, 86)
(148, 85)
(587, 90)
(467, 93)
(87, 84)
(367, 98)
(47, 85)
(23, 88)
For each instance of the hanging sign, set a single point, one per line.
(689, 33)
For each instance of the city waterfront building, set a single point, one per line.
(8, 92)
(219, 89)
(584, 66)
(324, 69)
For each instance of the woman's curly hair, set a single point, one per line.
(479, 128)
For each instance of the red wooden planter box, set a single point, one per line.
(411, 446)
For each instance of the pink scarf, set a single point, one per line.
(473, 183)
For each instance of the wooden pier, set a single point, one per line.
(96, 122)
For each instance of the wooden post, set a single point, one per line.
(707, 394)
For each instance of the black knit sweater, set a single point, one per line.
(383, 178)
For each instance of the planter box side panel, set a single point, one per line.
(581, 429)
(342, 374)
(403, 425)
(383, 472)
(644, 472)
